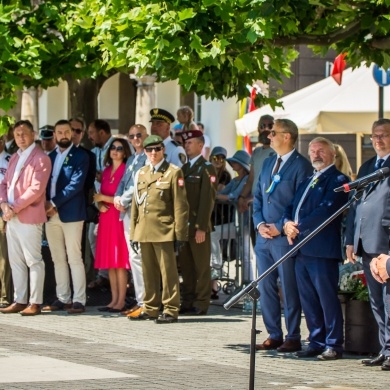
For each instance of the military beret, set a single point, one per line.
(158, 114)
(191, 134)
(46, 132)
(152, 140)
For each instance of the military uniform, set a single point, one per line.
(194, 259)
(159, 216)
(174, 153)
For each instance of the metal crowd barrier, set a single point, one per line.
(233, 231)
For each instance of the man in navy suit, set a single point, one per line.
(279, 179)
(316, 263)
(367, 235)
(66, 209)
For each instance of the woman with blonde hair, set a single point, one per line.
(185, 116)
(341, 162)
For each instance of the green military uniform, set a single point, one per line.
(194, 258)
(159, 216)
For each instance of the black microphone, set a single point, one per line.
(380, 174)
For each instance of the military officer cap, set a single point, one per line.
(158, 114)
(152, 140)
(186, 135)
(46, 132)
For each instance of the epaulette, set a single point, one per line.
(175, 143)
(175, 166)
(208, 163)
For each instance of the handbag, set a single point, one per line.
(92, 214)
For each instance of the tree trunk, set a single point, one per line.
(83, 96)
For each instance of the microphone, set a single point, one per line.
(364, 181)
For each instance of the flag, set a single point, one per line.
(338, 68)
(252, 107)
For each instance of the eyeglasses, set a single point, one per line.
(77, 131)
(155, 148)
(266, 125)
(132, 136)
(377, 137)
(273, 132)
(218, 158)
(117, 148)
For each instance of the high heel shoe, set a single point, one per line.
(104, 308)
(214, 294)
(113, 310)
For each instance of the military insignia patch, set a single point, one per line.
(182, 158)
(180, 182)
(213, 179)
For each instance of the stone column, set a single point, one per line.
(146, 98)
(29, 110)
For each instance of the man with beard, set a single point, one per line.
(317, 262)
(66, 210)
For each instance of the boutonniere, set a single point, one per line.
(67, 159)
(275, 181)
(314, 182)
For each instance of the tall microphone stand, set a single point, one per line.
(252, 291)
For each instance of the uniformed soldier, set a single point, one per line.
(161, 125)
(194, 258)
(159, 222)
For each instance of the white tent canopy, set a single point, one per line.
(326, 107)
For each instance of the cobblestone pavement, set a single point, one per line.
(95, 351)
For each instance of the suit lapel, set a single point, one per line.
(371, 187)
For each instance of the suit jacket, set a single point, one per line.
(318, 205)
(29, 191)
(270, 207)
(89, 184)
(162, 215)
(201, 186)
(126, 186)
(369, 218)
(69, 198)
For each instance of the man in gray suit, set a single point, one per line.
(278, 182)
(367, 235)
(122, 202)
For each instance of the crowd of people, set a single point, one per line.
(153, 196)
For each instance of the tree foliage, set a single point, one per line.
(212, 47)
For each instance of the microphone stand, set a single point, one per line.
(252, 291)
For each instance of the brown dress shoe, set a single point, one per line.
(56, 306)
(269, 344)
(31, 310)
(14, 308)
(290, 346)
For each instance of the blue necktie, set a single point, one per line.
(379, 163)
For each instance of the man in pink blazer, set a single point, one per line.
(22, 202)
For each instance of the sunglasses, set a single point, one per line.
(266, 125)
(77, 131)
(273, 132)
(218, 158)
(117, 148)
(132, 136)
(155, 148)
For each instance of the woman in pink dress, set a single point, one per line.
(111, 247)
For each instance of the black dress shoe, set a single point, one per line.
(376, 361)
(4, 305)
(165, 319)
(330, 354)
(113, 310)
(308, 353)
(143, 317)
(386, 364)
